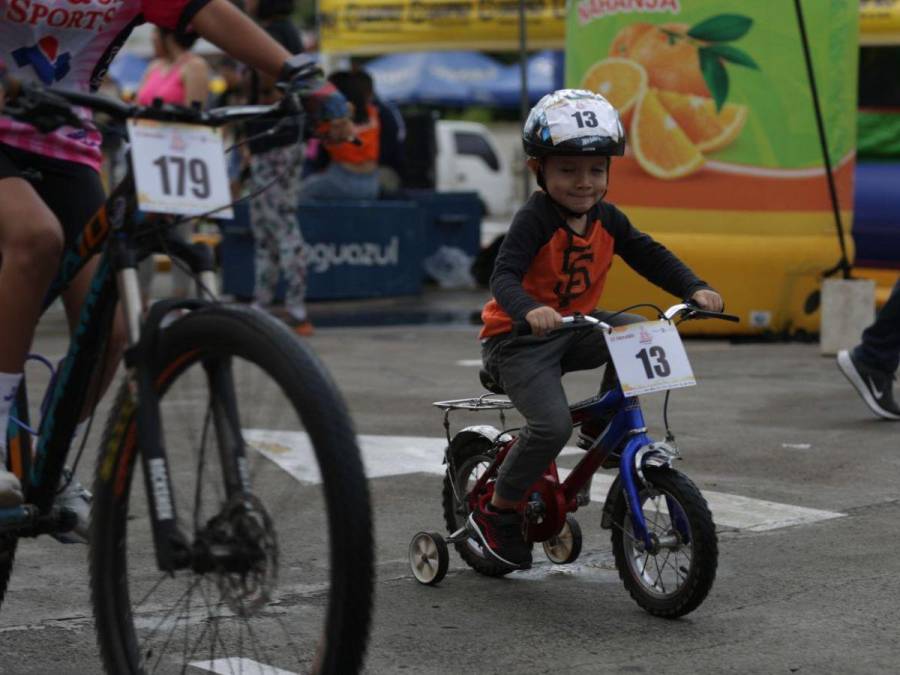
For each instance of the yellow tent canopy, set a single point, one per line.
(367, 27)
(879, 22)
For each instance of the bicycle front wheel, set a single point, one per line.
(303, 603)
(671, 578)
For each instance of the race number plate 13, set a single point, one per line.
(179, 168)
(649, 357)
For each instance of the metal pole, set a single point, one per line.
(523, 86)
(843, 263)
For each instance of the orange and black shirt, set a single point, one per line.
(542, 261)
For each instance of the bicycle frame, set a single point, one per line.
(627, 430)
(110, 232)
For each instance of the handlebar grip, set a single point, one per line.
(702, 313)
(520, 327)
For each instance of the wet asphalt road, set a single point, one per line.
(770, 422)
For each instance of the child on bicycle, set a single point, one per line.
(50, 183)
(554, 261)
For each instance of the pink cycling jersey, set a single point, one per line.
(69, 44)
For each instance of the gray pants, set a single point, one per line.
(530, 370)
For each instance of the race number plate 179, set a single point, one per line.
(179, 168)
(649, 357)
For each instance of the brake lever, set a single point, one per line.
(43, 110)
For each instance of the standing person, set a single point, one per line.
(553, 261)
(277, 159)
(180, 77)
(50, 183)
(872, 365)
(352, 172)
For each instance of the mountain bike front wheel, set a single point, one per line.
(302, 601)
(674, 575)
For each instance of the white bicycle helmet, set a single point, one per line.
(573, 122)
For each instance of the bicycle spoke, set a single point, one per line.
(187, 630)
(175, 606)
(161, 579)
(659, 578)
(214, 620)
(201, 463)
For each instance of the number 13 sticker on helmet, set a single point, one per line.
(573, 122)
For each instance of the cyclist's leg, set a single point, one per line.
(75, 192)
(529, 369)
(30, 246)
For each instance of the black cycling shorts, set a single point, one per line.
(73, 191)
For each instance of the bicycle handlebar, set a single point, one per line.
(36, 100)
(585, 321)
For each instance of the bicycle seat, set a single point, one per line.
(489, 383)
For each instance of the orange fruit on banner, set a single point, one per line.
(626, 37)
(697, 116)
(671, 58)
(621, 81)
(660, 146)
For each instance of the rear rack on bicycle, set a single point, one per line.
(485, 402)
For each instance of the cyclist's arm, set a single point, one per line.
(235, 33)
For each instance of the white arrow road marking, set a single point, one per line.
(236, 664)
(400, 455)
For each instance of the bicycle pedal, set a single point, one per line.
(16, 517)
(65, 520)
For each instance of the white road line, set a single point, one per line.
(399, 455)
(469, 363)
(236, 664)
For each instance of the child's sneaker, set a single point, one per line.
(501, 537)
(875, 386)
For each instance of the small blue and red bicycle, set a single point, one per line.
(663, 535)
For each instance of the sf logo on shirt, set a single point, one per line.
(575, 259)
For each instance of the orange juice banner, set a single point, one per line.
(384, 26)
(716, 100)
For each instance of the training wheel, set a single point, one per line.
(565, 547)
(428, 557)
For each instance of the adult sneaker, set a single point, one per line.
(875, 386)
(77, 499)
(500, 534)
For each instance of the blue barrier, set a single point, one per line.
(451, 219)
(362, 249)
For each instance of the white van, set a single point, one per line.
(469, 159)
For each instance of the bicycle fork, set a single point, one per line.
(173, 549)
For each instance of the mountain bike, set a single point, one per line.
(662, 533)
(204, 552)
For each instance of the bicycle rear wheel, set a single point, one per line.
(305, 603)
